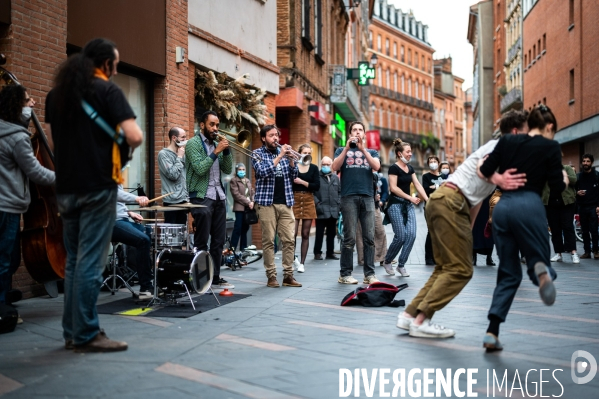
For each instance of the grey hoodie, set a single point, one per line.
(17, 166)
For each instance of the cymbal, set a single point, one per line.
(157, 208)
(152, 220)
(189, 205)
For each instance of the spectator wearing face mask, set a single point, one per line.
(243, 196)
(327, 202)
(171, 166)
(430, 182)
(445, 170)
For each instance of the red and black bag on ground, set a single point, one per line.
(375, 295)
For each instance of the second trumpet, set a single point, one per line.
(304, 159)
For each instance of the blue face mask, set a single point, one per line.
(326, 170)
(241, 174)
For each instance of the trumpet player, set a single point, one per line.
(205, 160)
(275, 173)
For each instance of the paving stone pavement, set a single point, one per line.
(292, 342)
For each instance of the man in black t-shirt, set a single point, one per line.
(356, 164)
(87, 173)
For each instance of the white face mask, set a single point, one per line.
(406, 161)
(181, 143)
(26, 112)
(433, 166)
(445, 171)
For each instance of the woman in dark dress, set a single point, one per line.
(519, 219)
(305, 185)
(430, 182)
(481, 244)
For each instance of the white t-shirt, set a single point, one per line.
(473, 187)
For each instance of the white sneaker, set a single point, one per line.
(557, 258)
(145, 295)
(430, 330)
(296, 263)
(347, 280)
(404, 322)
(371, 279)
(389, 268)
(403, 271)
(575, 258)
(301, 268)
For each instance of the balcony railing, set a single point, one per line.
(511, 98)
(394, 95)
(514, 50)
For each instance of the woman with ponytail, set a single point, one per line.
(519, 219)
(400, 208)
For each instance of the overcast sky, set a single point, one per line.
(447, 22)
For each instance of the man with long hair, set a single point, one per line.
(88, 167)
(18, 165)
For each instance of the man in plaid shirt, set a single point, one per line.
(273, 202)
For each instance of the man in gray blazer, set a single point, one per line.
(326, 200)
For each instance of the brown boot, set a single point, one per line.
(289, 281)
(101, 343)
(596, 254)
(585, 255)
(272, 282)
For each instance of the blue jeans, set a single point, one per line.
(240, 230)
(352, 208)
(519, 226)
(9, 229)
(133, 235)
(88, 220)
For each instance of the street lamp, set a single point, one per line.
(374, 60)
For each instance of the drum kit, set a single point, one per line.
(177, 272)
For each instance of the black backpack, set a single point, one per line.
(375, 295)
(8, 318)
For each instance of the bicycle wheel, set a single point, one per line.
(250, 257)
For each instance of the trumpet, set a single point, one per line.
(243, 139)
(304, 159)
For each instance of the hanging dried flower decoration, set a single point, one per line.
(236, 103)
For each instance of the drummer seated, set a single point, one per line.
(133, 234)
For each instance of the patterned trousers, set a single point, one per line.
(405, 234)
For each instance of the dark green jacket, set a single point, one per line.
(198, 164)
(569, 194)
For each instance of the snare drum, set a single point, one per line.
(169, 235)
(177, 268)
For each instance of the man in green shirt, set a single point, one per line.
(205, 159)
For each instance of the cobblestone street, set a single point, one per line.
(292, 342)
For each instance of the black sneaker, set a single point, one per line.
(222, 284)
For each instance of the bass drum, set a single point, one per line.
(177, 268)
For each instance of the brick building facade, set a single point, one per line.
(401, 96)
(560, 70)
(36, 36)
(311, 38)
(449, 97)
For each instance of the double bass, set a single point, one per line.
(42, 244)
